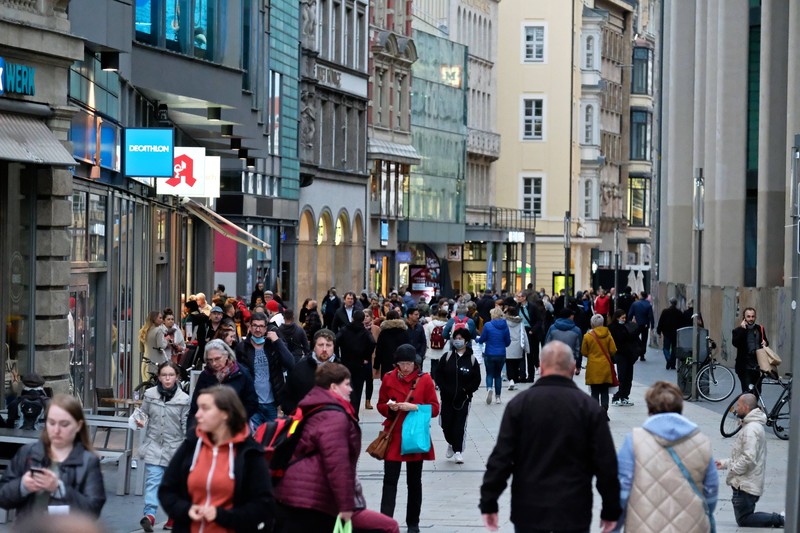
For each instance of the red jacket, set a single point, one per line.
(602, 305)
(394, 388)
(324, 478)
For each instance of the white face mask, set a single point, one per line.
(458, 344)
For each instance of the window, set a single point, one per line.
(639, 201)
(589, 62)
(642, 77)
(589, 199)
(533, 44)
(274, 112)
(532, 197)
(588, 121)
(640, 135)
(184, 26)
(533, 119)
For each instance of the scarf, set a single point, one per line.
(223, 374)
(330, 360)
(167, 394)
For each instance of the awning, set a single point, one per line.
(223, 226)
(401, 153)
(29, 140)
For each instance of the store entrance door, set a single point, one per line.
(82, 338)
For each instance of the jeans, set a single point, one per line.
(391, 474)
(744, 506)
(152, 480)
(494, 371)
(267, 412)
(669, 346)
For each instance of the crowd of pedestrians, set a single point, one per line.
(203, 466)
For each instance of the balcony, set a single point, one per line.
(484, 143)
(500, 218)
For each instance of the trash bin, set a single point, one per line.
(683, 351)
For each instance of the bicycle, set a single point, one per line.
(778, 417)
(150, 378)
(714, 381)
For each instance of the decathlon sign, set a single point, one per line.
(148, 152)
(17, 79)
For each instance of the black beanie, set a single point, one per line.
(405, 353)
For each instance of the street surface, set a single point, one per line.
(451, 492)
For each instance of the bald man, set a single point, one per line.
(554, 440)
(747, 465)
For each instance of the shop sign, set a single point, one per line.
(149, 152)
(193, 174)
(17, 79)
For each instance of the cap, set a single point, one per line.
(269, 292)
(33, 380)
(272, 306)
(216, 309)
(405, 353)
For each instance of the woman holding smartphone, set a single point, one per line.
(59, 472)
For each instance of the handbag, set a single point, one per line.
(768, 360)
(416, 431)
(342, 527)
(712, 523)
(380, 445)
(614, 379)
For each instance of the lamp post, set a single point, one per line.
(567, 256)
(793, 470)
(699, 223)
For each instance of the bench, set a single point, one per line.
(122, 454)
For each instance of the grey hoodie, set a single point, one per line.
(519, 342)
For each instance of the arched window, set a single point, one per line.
(588, 124)
(590, 52)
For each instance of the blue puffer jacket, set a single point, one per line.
(495, 338)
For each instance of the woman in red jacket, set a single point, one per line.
(320, 482)
(392, 404)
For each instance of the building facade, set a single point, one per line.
(332, 238)
(390, 151)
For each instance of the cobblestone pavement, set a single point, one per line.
(451, 492)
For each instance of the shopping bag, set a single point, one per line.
(768, 361)
(417, 431)
(343, 527)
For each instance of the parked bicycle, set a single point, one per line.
(778, 417)
(150, 378)
(715, 382)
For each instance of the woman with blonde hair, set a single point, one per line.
(152, 339)
(57, 471)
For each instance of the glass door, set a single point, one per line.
(81, 343)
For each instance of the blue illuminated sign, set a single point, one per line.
(149, 152)
(17, 79)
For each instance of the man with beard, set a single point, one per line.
(748, 338)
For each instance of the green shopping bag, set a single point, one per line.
(416, 431)
(343, 527)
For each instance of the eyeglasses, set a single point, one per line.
(258, 326)
(216, 359)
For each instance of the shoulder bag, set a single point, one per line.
(688, 477)
(380, 445)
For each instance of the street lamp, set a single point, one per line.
(567, 256)
(699, 223)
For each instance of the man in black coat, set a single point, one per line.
(416, 334)
(294, 335)
(748, 338)
(264, 355)
(344, 315)
(329, 307)
(301, 379)
(354, 347)
(313, 321)
(485, 304)
(553, 439)
(669, 322)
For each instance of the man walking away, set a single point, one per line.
(747, 464)
(565, 330)
(642, 311)
(552, 488)
(668, 323)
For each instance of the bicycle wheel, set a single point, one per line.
(782, 420)
(715, 382)
(685, 380)
(730, 423)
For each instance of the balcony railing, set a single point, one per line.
(485, 143)
(501, 218)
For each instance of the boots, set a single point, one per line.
(368, 405)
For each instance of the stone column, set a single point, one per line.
(676, 177)
(793, 123)
(772, 142)
(706, 57)
(727, 187)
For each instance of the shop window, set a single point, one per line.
(589, 53)
(97, 227)
(80, 250)
(638, 201)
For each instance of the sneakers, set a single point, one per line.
(449, 453)
(489, 396)
(498, 400)
(459, 458)
(617, 403)
(511, 385)
(169, 524)
(622, 403)
(147, 522)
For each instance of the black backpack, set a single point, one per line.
(31, 412)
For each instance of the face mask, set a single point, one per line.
(621, 321)
(446, 307)
(258, 340)
(458, 343)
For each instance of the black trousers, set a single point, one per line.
(391, 474)
(369, 382)
(357, 380)
(625, 364)
(600, 394)
(454, 422)
(749, 377)
(298, 520)
(513, 370)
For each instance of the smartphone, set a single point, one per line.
(36, 470)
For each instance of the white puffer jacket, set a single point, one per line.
(748, 455)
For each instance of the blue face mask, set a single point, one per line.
(258, 340)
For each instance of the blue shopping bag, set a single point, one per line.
(417, 431)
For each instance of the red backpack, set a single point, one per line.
(437, 338)
(279, 438)
(459, 323)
